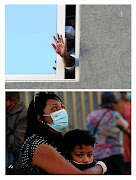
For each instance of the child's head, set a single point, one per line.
(79, 146)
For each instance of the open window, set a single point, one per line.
(29, 31)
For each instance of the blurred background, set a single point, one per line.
(78, 105)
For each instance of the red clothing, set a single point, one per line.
(126, 139)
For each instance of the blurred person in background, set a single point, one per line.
(124, 108)
(16, 120)
(107, 125)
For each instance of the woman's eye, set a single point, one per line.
(54, 108)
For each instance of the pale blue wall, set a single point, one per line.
(29, 31)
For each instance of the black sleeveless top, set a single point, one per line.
(29, 147)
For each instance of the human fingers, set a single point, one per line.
(55, 39)
(65, 41)
(61, 39)
(53, 45)
(58, 37)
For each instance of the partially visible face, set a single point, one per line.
(9, 104)
(52, 105)
(83, 154)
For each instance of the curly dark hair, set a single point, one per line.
(35, 108)
(77, 137)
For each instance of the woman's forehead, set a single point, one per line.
(53, 102)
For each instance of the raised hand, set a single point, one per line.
(61, 46)
(61, 49)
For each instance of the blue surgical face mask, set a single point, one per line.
(60, 120)
(128, 95)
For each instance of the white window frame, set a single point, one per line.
(60, 70)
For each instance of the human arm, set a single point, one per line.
(97, 169)
(125, 129)
(122, 124)
(50, 160)
(61, 49)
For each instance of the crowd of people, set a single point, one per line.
(35, 144)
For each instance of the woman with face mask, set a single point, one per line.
(42, 151)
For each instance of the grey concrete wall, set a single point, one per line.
(105, 50)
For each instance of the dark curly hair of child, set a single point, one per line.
(77, 137)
